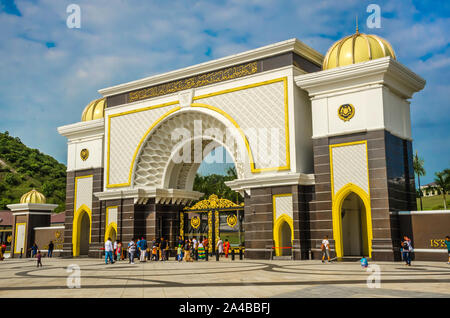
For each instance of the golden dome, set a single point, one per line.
(94, 110)
(357, 48)
(33, 197)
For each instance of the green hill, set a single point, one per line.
(23, 168)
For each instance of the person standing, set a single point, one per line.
(219, 247)
(143, 248)
(1, 252)
(109, 251)
(38, 258)
(51, 246)
(179, 253)
(406, 250)
(201, 251)
(163, 246)
(195, 248)
(115, 250)
(34, 249)
(119, 251)
(131, 251)
(325, 249)
(226, 247)
(447, 242)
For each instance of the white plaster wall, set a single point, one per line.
(302, 148)
(95, 159)
(376, 108)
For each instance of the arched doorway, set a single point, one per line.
(354, 226)
(81, 235)
(283, 234)
(285, 239)
(111, 232)
(85, 229)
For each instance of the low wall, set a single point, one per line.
(427, 231)
(43, 236)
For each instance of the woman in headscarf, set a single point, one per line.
(201, 251)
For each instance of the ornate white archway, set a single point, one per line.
(155, 166)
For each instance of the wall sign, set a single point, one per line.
(346, 112)
(84, 154)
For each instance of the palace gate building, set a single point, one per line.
(321, 146)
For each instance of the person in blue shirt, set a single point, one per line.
(138, 245)
(142, 245)
(364, 262)
(447, 242)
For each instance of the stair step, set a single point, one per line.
(279, 258)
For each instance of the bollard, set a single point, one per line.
(21, 250)
(240, 254)
(232, 254)
(217, 256)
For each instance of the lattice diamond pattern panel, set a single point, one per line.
(125, 134)
(159, 146)
(283, 205)
(84, 193)
(112, 216)
(253, 108)
(350, 165)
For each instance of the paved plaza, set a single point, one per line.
(235, 279)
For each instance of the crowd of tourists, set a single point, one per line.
(158, 249)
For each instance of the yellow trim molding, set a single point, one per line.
(107, 223)
(277, 222)
(226, 115)
(24, 239)
(109, 228)
(338, 199)
(76, 231)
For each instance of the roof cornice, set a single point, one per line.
(292, 45)
(386, 71)
(83, 129)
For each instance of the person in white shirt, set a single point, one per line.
(220, 247)
(109, 251)
(131, 251)
(325, 249)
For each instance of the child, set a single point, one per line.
(364, 262)
(154, 253)
(38, 257)
(179, 253)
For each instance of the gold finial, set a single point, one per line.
(357, 28)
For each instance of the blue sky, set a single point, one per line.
(48, 72)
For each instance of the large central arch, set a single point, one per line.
(206, 129)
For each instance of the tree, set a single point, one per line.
(420, 171)
(442, 181)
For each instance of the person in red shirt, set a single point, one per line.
(226, 247)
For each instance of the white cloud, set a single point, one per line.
(121, 41)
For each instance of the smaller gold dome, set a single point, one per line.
(94, 110)
(33, 197)
(357, 48)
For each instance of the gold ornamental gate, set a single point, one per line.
(214, 218)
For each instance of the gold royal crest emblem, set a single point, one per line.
(84, 154)
(232, 220)
(346, 112)
(195, 222)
